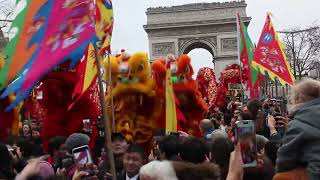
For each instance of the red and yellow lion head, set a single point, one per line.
(134, 95)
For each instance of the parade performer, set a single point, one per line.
(190, 99)
(208, 86)
(135, 105)
(215, 92)
(52, 99)
(159, 75)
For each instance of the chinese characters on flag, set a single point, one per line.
(270, 57)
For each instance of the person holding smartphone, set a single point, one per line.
(246, 137)
(301, 141)
(77, 146)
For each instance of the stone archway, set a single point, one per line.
(186, 45)
(211, 26)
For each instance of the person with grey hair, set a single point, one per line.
(174, 170)
(301, 142)
(158, 170)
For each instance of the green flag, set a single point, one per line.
(246, 52)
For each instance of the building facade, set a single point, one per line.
(211, 26)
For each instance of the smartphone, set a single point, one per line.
(66, 162)
(246, 136)
(86, 125)
(83, 159)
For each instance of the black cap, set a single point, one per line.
(117, 136)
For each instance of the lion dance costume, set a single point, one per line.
(190, 105)
(135, 105)
(55, 92)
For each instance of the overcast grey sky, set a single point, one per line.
(130, 17)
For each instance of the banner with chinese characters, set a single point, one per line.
(270, 57)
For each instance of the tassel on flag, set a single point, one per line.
(270, 57)
(88, 73)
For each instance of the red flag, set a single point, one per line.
(251, 74)
(270, 57)
(88, 72)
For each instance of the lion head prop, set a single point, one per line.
(190, 99)
(208, 86)
(51, 101)
(133, 93)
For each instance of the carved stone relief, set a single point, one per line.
(159, 49)
(192, 30)
(229, 44)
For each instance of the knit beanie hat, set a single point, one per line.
(76, 140)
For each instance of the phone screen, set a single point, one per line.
(247, 138)
(82, 156)
(86, 125)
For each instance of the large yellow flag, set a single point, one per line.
(171, 117)
(104, 23)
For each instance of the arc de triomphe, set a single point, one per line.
(180, 29)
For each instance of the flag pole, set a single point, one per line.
(105, 117)
(111, 96)
(238, 42)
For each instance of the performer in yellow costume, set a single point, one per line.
(135, 105)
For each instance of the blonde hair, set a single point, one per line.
(306, 90)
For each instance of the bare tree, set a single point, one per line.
(6, 13)
(302, 49)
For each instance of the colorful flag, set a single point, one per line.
(270, 57)
(88, 72)
(62, 31)
(104, 23)
(171, 116)
(16, 52)
(2, 62)
(246, 53)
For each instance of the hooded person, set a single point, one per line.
(300, 144)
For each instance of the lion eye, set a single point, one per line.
(140, 67)
(187, 69)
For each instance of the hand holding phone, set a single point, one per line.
(246, 137)
(83, 159)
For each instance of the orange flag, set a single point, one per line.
(270, 57)
(88, 73)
